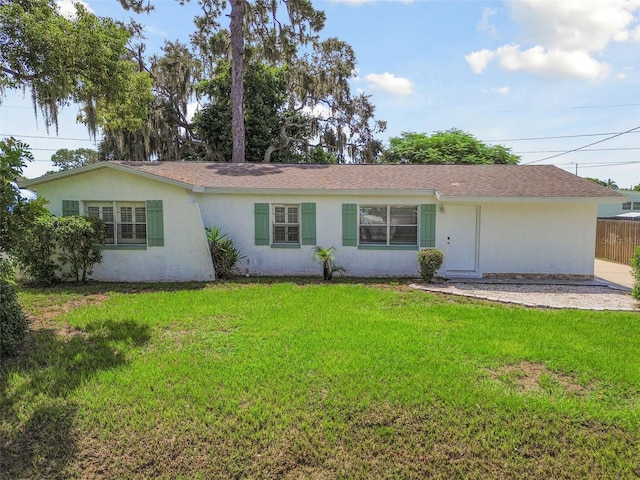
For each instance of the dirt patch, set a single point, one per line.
(46, 314)
(534, 377)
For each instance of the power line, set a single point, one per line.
(45, 137)
(554, 137)
(584, 146)
(589, 150)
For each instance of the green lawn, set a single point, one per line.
(321, 381)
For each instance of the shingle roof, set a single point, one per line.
(447, 180)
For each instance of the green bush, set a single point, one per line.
(80, 242)
(635, 263)
(13, 323)
(430, 260)
(223, 252)
(35, 247)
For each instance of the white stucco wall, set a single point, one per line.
(544, 237)
(234, 215)
(184, 256)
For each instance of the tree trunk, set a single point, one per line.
(237, 74)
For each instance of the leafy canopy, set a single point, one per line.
(445, 147)
(60, 60)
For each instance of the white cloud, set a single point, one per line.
(479, 60)
(485, 24)
(500, 90)
(390, 83)
(564, 37)
(621, 76)
(67, 8)
(155, 31)
(552, 63)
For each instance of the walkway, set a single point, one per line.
(613, 273)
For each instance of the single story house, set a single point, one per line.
(629, 206)
(489, 220)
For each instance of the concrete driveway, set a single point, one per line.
(615, 273)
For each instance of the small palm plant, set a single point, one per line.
(326, 256)
(223, 252)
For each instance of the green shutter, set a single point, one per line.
(308, 211)
(70, 207)
(155, 224)
(261, 215)
(349, 224)
(428, 226)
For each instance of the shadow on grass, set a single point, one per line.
(38, 437)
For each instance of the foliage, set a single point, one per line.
(598, 181)
(34, 250)
(429, 260)
(635, 264)
(13, 155)
(80, 242)
(83, 59)
(224, 254)
(13, 322)
(327, 258)
(611, 184)
(636, 188)
(348, 379)
(66, 159)
(166, 132)
(445, 147)
(51, 247)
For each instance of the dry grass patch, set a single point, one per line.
(534, 377)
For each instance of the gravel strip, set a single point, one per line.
(546, 296)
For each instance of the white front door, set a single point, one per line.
(462, 239)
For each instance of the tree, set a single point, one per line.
(66, 159)
(611, 184)
(598, 181)
(60, 60)
(636, 188)
(445, 147)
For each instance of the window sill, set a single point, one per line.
(285, 245)
(387, 247)
(124, 247)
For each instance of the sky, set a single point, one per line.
(556, 81)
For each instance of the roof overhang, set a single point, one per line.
(513, 199)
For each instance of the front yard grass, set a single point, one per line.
(322, 381)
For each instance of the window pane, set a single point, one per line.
(403, 235)
(373, 215)
(279, 234)
(107, 214)
(293, 234)
(93, 212)
(141, 231)
(126, 214)
(141, 216)
(404, 215)
(626, 206)
(279, 214)
(636, 205)
(126, 230)
(373, 234)
(109, 235)
(293, 215)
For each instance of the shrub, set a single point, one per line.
(430, 261)
(635, 263)
(13, 323)
(223, 252)
(80, 242)
(327, 258)
(34, 249)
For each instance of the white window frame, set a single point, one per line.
(367, 235)
(288, 220)
(126, 221)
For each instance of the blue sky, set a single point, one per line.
(520, 73)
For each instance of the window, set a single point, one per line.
(126, 222)
(636, 206)
(286, 224)
(626, 206)
(388, 225)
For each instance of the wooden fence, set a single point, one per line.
(616, 239)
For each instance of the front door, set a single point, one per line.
(462, 239)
